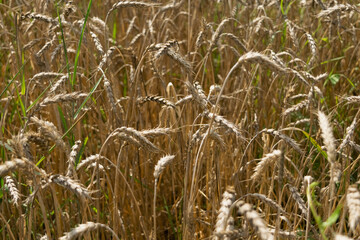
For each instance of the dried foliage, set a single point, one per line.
(131, 119)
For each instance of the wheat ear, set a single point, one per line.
(10, 166)
(14, 191)
(254, 219)
(138, 136)
(335, 8)
(49, 130)
(89, 160)
(224, 122)
(223, 217)
(264, 163)
(342, 237)
(72, 159)
(353, 203)
(329, 141)
(284, 137)
(159, 168)
(70, 184)
(155, 132)
(62, 98)
(157, 99)
(349, 133)
(84, 228)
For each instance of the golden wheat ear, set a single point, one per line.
(84, 228)
(14, 191)
(224, 221)
(353, 204)
(254, 219)
(342, 237)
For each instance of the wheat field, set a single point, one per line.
(180, 119)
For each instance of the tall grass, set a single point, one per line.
(179, 120)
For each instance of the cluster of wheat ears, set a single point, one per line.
(180, 119)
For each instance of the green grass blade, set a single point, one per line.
(42, 93)
(38, 98)
(21, 103)
(23, 84)
(64, 125)
(282, 7)
(62, 137)
(12, 80)
(79, 45)
(332, 60)
(315, 144)
(81, 151)
(114, 32)
(333, 217)
(88, 97)
(64, 44)
(170, 217)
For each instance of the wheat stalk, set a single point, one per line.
(230, 234)
(30, 44)
(349, 133)
(235, 39)
(292, 33)
(200, 91)
(300, 121)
